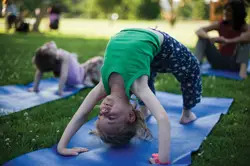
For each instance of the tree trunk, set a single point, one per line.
(172, 18)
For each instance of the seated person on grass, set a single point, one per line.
(234, 40)
(63, 64)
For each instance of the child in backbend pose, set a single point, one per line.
(64, 65)
(132, 58)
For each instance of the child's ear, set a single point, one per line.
(132, 117)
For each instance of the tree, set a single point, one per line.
(149, 9)
(185, 11)
(248, 10)
(199, 10)
(108, 6)
(40, 6)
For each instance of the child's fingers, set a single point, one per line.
(69, 152)
(84, 149)
(73, 152)
(154, 155)
(80, 150)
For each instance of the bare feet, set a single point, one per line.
(33, 90)
(187, 117)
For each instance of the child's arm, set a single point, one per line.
(79, 118)
(63, 73)
(140, 89)
(37, 78)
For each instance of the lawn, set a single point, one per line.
(41, 126)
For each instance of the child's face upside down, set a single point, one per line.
(114, 114)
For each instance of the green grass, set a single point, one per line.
(41, 126)
(183, 30)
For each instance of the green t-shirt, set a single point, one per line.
(129, 53)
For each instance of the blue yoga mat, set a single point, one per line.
(207, 70)
(184, 139)
(14, 98)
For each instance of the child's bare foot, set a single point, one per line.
(187, 117)
(33, 90)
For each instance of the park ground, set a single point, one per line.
(42, 126)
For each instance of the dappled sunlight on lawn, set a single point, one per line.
(184, 31)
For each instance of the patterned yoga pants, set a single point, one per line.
(175, 58)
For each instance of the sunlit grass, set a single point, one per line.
(182, 31)
(41, 126)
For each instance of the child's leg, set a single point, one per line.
(191, 91)
(191, 96)
(175, 58)
(92, 70)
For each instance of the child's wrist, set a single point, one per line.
(155, 156)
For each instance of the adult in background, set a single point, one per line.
(11, 13)
(54, 16)
(233, 39)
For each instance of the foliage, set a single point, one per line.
(31, 5)
(107, 6)
(193, 9)
(248, 16)
(148, 9)
(200, 10)
(185, 11)
(127, 9)
(130, 9)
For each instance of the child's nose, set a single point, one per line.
(104, 111)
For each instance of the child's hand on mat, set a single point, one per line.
(71, 152)
(155, 160)
(33, 90)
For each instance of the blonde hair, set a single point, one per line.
(126, 132)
